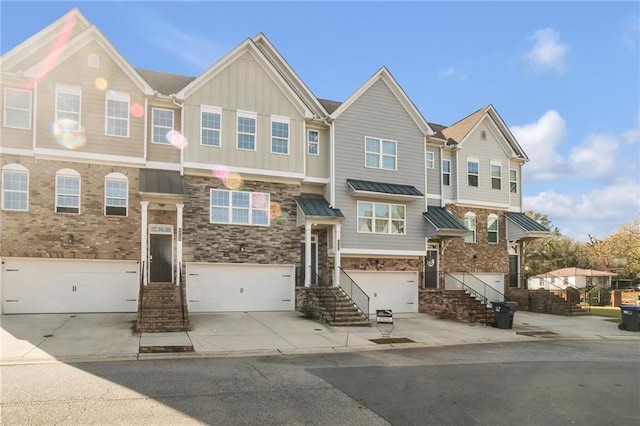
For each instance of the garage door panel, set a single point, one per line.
(240, 288)
(65, 286)
(397, 291)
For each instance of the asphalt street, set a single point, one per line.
(543, 382)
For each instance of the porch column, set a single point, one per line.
(143, 240)
(307, 254)
(180, 207)
(336, 258)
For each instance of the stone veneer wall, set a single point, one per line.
(40, 232)
(459, 256)
(203, 241)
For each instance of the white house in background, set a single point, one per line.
(571, 277)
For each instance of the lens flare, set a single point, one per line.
(177, 139)
(233, 181)
(137, 110)
(219, 171)
(69, 134)
(274, 210)
(260, 200)
(101, 84)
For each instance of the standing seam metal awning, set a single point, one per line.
(315, 205)
(444, 223)
(162, 182)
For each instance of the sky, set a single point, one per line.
(564, 76)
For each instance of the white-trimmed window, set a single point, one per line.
(69, 106)
(67, 191)
(470, 223)
(446, 172)
(380, 153)
(496, 175)
(17, 108)
(246, 130)
(117, 114)
(473, 169)
(162, 124)
(239, 207)
(430, 159)
(210, 126)
(513, 181)
(381, 218)
(15, 188)
(492, 229)
(279, 135)
(116, 194)
(313, 142)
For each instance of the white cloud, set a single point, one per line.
(596, 158)
(548, 53)
(540, 140)
(453, 73)
(630, 32)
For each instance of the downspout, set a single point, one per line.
(146, 131)
(426, 176)
(35, 116)
(182, 148)
(332, 164)
(442, 203)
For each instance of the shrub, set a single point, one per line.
(599, 296)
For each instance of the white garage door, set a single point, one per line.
(216, 287)
(35, 286)
(397, 291)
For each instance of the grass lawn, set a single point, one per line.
(605, 311)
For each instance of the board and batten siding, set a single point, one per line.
(378, 113)
(485, 151)
(245, 86)
(318, 165)
(74, 71)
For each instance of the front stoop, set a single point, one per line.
(160, 309)
(457, 305)
(330, 305)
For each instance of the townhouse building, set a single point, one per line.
(227, 190)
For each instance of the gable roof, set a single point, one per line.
(384, 75)
(163, 82)
(576, 272)
(328, 105)
(459, 131)
(246, 46)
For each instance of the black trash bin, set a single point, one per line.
(504, 313)
(630, 318)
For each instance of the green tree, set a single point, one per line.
(618, 252)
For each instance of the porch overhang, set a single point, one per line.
(390, 191)
(316, 209)
(442, 224)
(522, 227)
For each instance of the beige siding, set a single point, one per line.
(433, 175)
(13, 137)
(164, 153)
(449, 192)
(516, 198)
(245, 85)
(318, 165)
(75, 71)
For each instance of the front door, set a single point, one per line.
(431, 269)
(513, 270)
(160, 259)
(314, 262)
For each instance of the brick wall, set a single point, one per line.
(456, 305)
(381, 264)
(40, 232)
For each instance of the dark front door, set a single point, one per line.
(160, 258)
(314, 263)
(431, 269)
(513, 270)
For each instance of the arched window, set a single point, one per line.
(470, 223)
(15, 188)
(67, 191)
(492, 229)
(116, 194)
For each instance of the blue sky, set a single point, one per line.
(564, 76)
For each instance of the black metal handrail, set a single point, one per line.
(182, 291)
(140, 289)
(355, 293)
(490, 293)
(449, 281)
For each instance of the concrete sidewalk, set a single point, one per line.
(100, 337)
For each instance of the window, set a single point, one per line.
(15, 188)
(240, 207)
(279, 135)
(472, 172)
(380, 153)
(496, 176)
(470, 223)
(67, 191)
(246, 138)
(430, 160)
(313, 142)
(446, 172)
(68, 106)
(162, 125)
(210, 126)
(117, 114)
(381, 218)
(116, 189)
(483, 135)
(93, 61)
(492, 229)
(513, 181)
(17, 108)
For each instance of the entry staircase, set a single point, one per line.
(335, 307)
(162, 308)
(546, 301)
(459, 305)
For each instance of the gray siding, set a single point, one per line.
(434, 176)
(164, 153)
(318, 165)
(449, 192)
(377, 113)
(246, 86)
(515, 200)
(484, 151)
